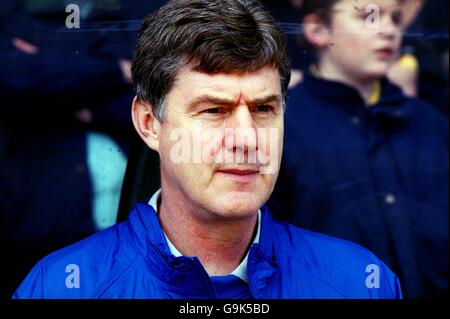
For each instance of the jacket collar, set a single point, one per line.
(263, 270)
(185, 276)
(390, 106)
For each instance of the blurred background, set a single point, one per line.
(66, 135)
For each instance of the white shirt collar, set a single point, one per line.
(240, 271)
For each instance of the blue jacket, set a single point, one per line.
(376, 176)
(132, 260)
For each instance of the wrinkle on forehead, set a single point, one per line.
(240, 87)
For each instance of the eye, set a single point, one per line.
(397, 17)
(264, 108)
(214, 110)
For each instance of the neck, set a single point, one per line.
(219, 244)
(330, 71)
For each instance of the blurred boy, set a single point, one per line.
(362, 161)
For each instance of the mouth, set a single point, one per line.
(385, 54)
(243, 175)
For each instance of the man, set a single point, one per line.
(207, 75)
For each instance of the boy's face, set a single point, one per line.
(364, 38)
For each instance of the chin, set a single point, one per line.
(373, 75)
(238, 204)
(379, 71)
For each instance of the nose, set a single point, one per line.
(241, 131)
(390, 28)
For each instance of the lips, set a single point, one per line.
(385, 53)
(240, 175)
(239, 172)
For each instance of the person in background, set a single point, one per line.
(362, 161)
(65, 130)
(427, 40)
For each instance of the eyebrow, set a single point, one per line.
(274, 98)
(228, 102)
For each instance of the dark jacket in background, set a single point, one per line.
(377, 176)
(45, 189)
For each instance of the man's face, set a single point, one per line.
(365, 37)
(206, 161)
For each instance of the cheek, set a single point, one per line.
(175, 153)
(207, 146)
(270, 148)
(271, 141)
(164, 149)
(348, 53)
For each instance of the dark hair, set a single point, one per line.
(322, 8)
(212, 36)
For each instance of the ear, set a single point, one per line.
(315, 31)
(145, 123)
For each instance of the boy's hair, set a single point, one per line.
(322, 8)
(211, 36)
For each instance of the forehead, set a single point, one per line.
(190, 84)
(362, 5)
